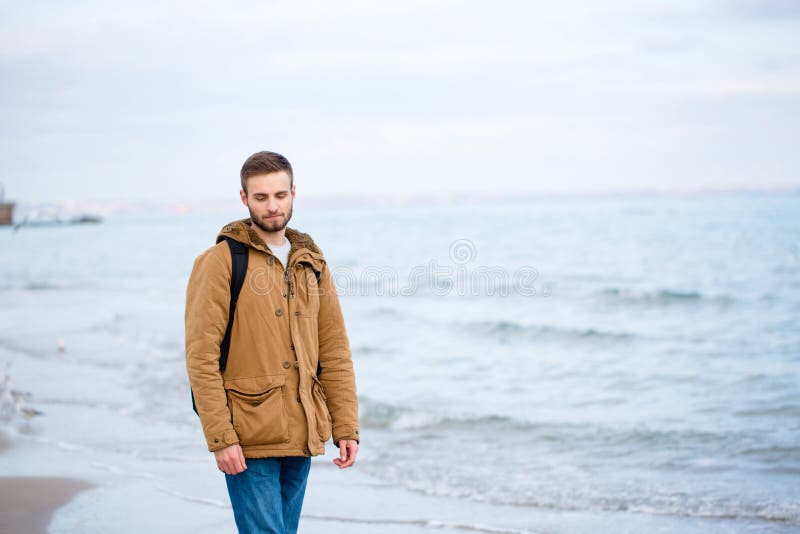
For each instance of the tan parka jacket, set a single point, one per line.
(289, 383)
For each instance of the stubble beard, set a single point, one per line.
(271, 225)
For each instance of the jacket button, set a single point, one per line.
(298, 398)
(297, 365)
(297, 312)
(255, 402)
(216, 440)
(291, 346)
(286, 365)
(278, 312)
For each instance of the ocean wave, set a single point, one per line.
(38, 286)
(367, 350)
(377, 414)
(541, 448)
(508, 330)
(383, 415)
(42, 285)
(661, 296)
(786, 410)
(553, 492)
(689, 445)
(680, 505)
(774, 454)
(425, 523)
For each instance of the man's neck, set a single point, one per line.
(271, 238)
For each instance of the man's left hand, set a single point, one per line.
(348, 448)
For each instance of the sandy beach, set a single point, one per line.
(27, 503)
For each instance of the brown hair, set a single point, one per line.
(265, 162)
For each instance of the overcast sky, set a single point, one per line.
(164, 101)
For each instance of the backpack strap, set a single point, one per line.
(239, 258)
(317, 274)
(238, 272)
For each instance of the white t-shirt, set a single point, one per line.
(282, 251)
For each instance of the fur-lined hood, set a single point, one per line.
(302, 245)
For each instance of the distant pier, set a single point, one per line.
(6, 212)
(6, 208)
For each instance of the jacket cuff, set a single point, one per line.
(345, 432)
(220, 441)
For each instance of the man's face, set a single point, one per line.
(269, 200)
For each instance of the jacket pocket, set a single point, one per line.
(258, 409)
(323, 416)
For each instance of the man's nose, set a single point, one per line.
(272, 206)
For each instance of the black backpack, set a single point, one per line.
(238, 271)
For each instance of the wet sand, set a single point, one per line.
(27, 503)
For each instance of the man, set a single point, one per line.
(288, 384)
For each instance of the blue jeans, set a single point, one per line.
(268, 495)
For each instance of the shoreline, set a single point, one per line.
(136, 491)
(28, 503)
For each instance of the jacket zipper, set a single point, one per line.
(289, 288)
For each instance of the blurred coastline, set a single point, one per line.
(370, 201)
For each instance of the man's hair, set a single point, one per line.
(265, 162)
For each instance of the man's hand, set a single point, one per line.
(230, 460)
(348, 448)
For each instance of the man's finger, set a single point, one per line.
(347, 455)
(240, 460)
(229, 463)
(351, 454)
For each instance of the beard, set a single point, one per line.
(271, 225)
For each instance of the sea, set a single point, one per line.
(628, 356)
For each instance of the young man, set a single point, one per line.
(288, 384)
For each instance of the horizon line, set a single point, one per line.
(438, 197)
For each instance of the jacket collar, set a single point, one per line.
(303, 247)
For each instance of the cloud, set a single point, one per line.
(170, 97)
(767, 9)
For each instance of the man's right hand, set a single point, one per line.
(230, 460)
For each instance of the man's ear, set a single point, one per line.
(243, 196)
(292, 190)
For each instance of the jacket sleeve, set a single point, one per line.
(336, 364)
(207, 303)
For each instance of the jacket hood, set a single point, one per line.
(242, 231)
